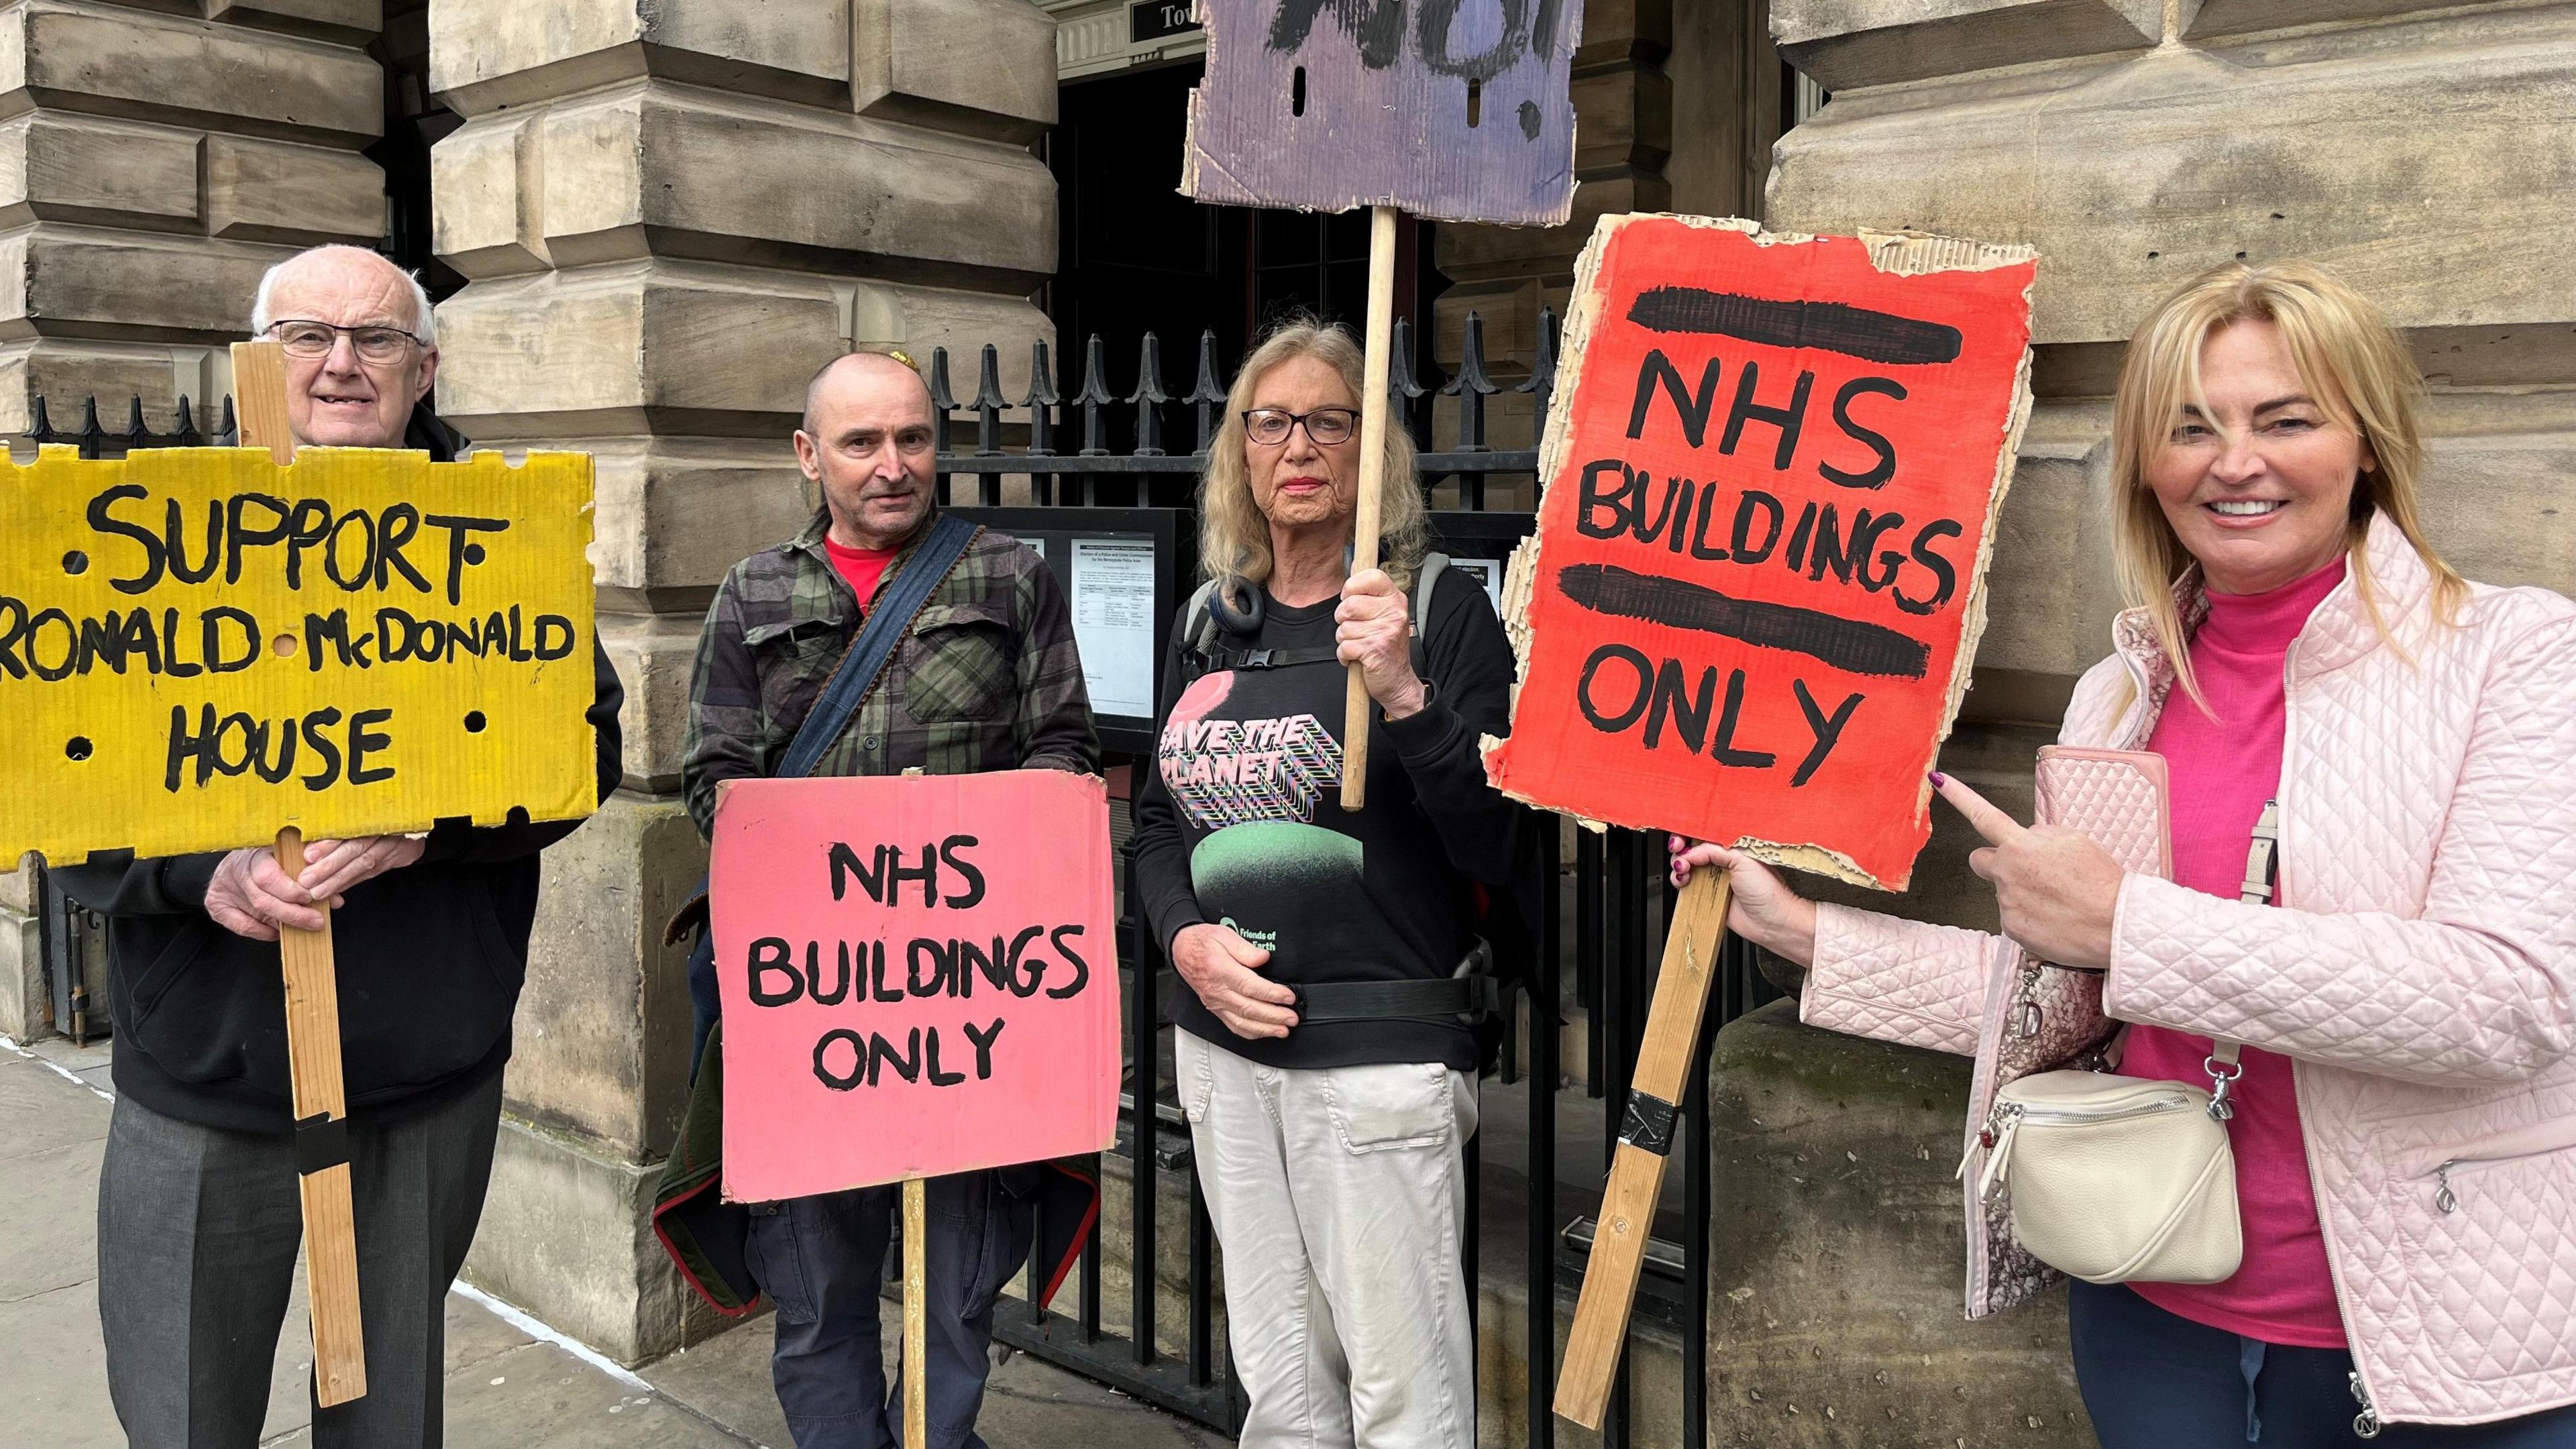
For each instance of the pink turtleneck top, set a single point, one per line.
(2224, 762)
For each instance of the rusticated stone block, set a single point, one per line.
(135, 285)
(18, 888)
(675, 173)
(2237, 17)
(66, 373)
(60, 167)
(351, 22)
(1847, 44)
(490, 220)
(1835, 1251)
(1622, 117)
(675, 513)
(155, 67)
(603, 1027)
(1480, 253)
(668, 347)
(23, 1013)
(276, 191)
(653, 655)
(684, 347)
(2142, 173)
(909, 62)
(567, 1234)
(490, 54)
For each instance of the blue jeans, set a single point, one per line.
(821, 1259)
(2156, 1380)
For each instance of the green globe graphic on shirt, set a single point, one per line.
(1254, 782)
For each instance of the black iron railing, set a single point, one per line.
(1615, 885)
(1055, 434)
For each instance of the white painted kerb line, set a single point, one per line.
(508, 1313)
(55, 1067)
(512, 1315)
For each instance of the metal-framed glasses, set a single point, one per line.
(1327, 427)
(306, 339)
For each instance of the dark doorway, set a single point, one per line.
(1136, 256)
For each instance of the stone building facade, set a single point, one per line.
(664, 215)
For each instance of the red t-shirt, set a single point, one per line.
(2223, 768)
(862, 568)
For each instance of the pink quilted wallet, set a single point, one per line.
(2118, 798)
(2115, 796)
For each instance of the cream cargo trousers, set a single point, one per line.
(1339, 1196)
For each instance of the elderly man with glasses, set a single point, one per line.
(198, 1220)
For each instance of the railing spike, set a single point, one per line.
(1471, 387)
(185, 435)
(136, 431)
(1149, 398)
(231, 430)
(1094, 396)
(1208, 394)
(989, 403)
(942, 396)
(43, 431)
(1042, 391)
(1041, 403)
(1542, 378)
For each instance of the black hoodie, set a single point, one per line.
(430, 959)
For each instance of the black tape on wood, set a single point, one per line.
(1649, 1123)
(321, 1143)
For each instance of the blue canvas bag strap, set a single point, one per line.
(884, 628)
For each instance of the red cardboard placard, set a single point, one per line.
(920, 976)
(1756, 587)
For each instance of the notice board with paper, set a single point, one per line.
(199, 647)
(919, 973)
(1772, 476)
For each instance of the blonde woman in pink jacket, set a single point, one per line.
(2405, 1128)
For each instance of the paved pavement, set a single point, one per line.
(511, 1382)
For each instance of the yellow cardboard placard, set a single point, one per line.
(199, 647)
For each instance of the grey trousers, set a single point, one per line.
(1339, 1195)
(197, 1236)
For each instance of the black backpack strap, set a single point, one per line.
(883, 629)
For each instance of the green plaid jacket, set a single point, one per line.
(987, 680)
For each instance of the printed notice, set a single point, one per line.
(1487, 572)
(1113, 623)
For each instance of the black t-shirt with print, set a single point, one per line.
(1239, 822)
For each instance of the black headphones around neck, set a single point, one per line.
(1243, 624)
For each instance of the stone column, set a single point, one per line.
(1676, 105)
(670, 214)
(151, 167)
(2421, 153)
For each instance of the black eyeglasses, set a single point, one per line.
(301, 337)
(1326, 426)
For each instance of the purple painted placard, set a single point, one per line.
(1327, 105)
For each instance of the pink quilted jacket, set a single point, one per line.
(2420, 970)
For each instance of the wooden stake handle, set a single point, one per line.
(916, 1320)
(330, 1226)
(1378, 347)
(312, 999)
(1627, 1217)
(259, 399)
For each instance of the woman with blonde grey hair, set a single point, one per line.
(2404, 1002)
(1329, 961)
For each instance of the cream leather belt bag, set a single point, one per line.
(2125, 1179)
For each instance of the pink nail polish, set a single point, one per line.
(1937, 779)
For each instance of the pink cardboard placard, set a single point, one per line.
(920, 976)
